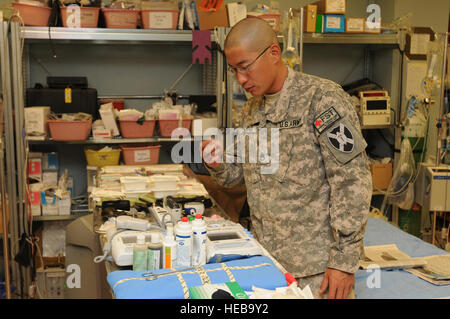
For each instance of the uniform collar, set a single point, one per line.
(278, 114)
(254, 110)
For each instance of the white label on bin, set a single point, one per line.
(142, 156)
(333, 23)
(160, 20)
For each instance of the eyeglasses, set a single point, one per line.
(245, 69)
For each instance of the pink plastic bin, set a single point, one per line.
(140, 155)
(132, 129)
(166, 127)
(32, 15)
(88, 16)
(69, 130)
(121, 18)
(159, 19)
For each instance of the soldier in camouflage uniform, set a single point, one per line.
(311, 212)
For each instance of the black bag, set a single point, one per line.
(82, 100)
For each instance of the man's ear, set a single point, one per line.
(275, 52)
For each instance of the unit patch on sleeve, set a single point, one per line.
(343, 140)
(326, 119)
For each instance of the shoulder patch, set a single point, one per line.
(343, 140)
(326, 119)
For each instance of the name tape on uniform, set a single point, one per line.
(326, 119)
(290, 123)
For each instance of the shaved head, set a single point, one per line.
(253, 34)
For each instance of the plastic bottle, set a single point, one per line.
(140, 254)
(154, 258)
(169, 249)
(199, 235)
(184, 241)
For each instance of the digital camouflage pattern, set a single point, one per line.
(311, 213)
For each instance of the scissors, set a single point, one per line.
(153, 276)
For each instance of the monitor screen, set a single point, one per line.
(375, 105)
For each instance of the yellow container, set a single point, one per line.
(102, 158)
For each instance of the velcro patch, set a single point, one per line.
(326, 119)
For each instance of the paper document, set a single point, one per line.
(389, 256)
(436, 271)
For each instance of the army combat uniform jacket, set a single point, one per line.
(311, 212)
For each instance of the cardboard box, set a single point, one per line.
(319, 23)
(109, 119)
(35, 166)
(159, 5)
(310, 18)
(210, 20)
(371, 29)
(50, 161)
(50, 178)
(381, 175)
(331, 6)
(354, 25)
(49, 204)
(236, 12)
(334, 23)
(64, 204)
(273, 19)
(35, 199)
(36, 120)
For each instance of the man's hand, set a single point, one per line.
(212, 153)
(339, 284)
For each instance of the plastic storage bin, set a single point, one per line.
(166, 127)
(121, 18)
(140, 155)
(159, 19)
(69, 130)
(132, 129)
(32, 15)
(97, 157)
(88, 17)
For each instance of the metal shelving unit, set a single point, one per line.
(102, 35)
(15, 71)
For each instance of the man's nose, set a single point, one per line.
(241, 78)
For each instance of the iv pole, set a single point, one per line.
(4, 213)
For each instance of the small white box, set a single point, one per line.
(91, 173)
(101, 134)
(36, 120)
(35, 199)
(50, 178)
(109, 119)
(64, 205)
(49, 204)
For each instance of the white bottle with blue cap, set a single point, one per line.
(199, 232)
(183, 237)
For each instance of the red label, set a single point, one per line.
(318, 123)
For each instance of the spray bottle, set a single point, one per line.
(140, 254)
(169, 248)
(184, 241)
(154, 253)
(199, 232)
